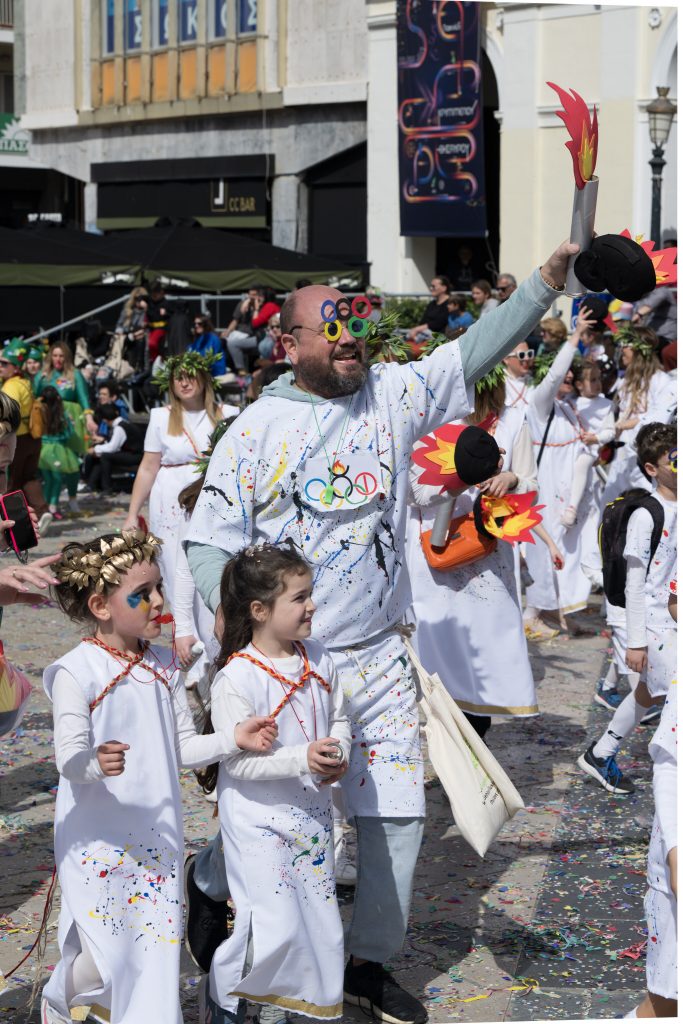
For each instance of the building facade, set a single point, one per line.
(279, 118)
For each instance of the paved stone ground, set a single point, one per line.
(548, 926)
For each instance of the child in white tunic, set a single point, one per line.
(287, 948)
(651, 634)
(645, 394)
(122, 729)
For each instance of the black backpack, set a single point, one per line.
(135, 437)
(612, 539)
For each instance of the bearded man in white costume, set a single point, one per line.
(276, 476)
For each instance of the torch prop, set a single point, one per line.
(583, 146)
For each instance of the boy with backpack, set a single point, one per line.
(638, 544)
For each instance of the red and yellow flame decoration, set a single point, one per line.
(663, 260)
(511, 517)
(583, 133)
(437, 456)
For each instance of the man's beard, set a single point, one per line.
(330, 383)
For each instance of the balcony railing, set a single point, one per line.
(6, 13)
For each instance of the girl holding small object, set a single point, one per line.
(286, 951)
(122, 730)
(176, 436)
(58, 461)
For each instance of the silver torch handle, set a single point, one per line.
(583, 222)
(442, 523)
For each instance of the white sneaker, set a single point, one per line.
(344, 869)
(73, 506)
(82, 486)
(44, 523)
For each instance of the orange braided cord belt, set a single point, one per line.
(132, 662)
(307, 674)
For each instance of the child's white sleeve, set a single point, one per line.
(194, 750)
(76, 758)
(228, 709)
(523, 463)
(664, 787)
(339, 727)
(637, 554)
(607, 431)
(183, 599)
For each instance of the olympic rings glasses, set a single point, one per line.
(673, 460)
(355, 312)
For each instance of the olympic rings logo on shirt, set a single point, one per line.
(355, 312)
(341, 487)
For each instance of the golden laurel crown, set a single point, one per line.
(81, 569)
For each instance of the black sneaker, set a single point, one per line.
(373, 988)
(207, 921)
(606, 771)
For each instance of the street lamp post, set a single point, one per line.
(660, 115)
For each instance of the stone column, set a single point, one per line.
(289, 212)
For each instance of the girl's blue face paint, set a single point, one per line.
(137, 600)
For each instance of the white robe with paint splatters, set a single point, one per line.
(468, 620)
(276, 823)
(119, 839)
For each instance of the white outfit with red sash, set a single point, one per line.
(119, 839)
(276, 823)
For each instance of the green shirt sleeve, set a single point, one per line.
(82, 394)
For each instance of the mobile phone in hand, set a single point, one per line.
(22, 535)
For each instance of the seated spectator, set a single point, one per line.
(270, 346)
(123, 450)
(206, 342)
(435, 315)
(239, 343)
(459, 316)
(108, 394)
(553, 335)
(482, 296)
(506, 284)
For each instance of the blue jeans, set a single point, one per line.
(387, 853)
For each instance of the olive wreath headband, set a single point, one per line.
(81, 569)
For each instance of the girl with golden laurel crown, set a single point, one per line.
(122, 730)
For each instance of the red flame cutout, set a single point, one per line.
(512, 517)
(583, 133)
(663, 260)
(437, 456)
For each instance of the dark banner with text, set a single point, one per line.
(440, 119)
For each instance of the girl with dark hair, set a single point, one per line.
(58, 462)
(287, 949)
(122, 730)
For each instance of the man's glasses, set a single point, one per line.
(673, 459)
